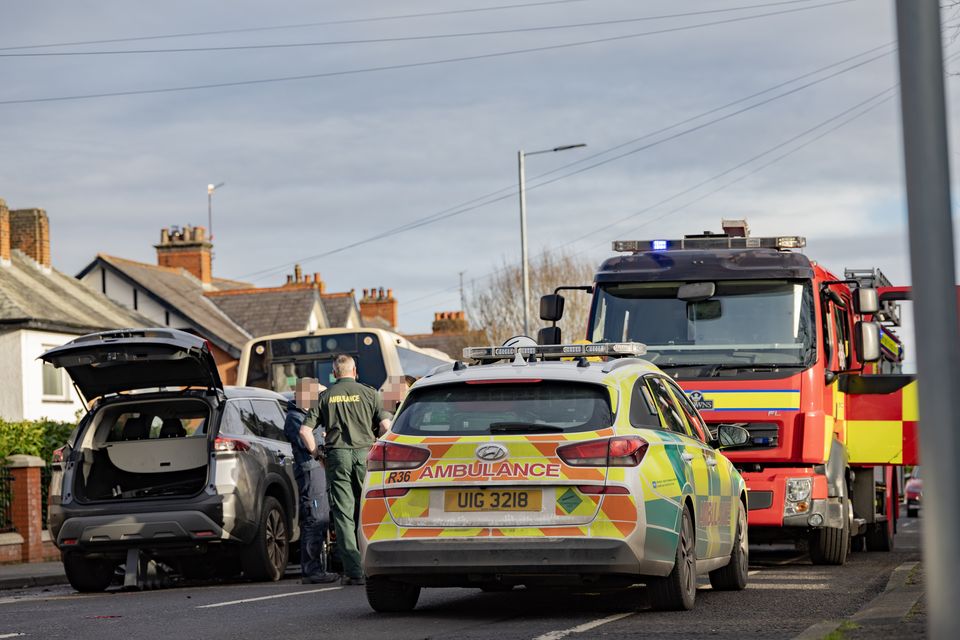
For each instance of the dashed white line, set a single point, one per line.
(279, 595)
(586, 626)
(11, 635)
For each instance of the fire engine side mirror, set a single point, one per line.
(551, 308)
(867, 341)
(866, 301)
(549, 335)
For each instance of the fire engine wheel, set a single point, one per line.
(879, 536)
(733, 577)
(391, 596)
(677, 591)
(829, 545)
(912, 512)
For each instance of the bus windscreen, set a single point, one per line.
(277, 364)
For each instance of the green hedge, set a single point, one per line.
(33, 437)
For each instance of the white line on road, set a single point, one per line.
(279, 595)
(586, 626)
(11, 635)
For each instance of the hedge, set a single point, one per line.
(33, 437)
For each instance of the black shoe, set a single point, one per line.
(347, 581)
(320, 578)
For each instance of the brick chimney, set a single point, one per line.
(186, 248)
(450, 322)
(377, 304)
(4, 233)
(30, 233)
(300, 279)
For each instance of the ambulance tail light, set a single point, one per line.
(387, 456)
(621, 451)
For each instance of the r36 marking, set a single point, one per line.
(398, 476)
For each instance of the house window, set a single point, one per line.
(54, 381)
(166, 318)
(135, 302)
(103, 281)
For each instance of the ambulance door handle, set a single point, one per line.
(687, 457)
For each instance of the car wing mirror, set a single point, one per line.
(732, 435)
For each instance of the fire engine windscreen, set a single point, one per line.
(745, 322)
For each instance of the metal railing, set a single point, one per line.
(6, 500)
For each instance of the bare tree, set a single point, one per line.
(496, 308)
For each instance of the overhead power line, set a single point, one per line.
(845, 117)
(299, 25)
(395, 39)
(410, 65)
(493, 197)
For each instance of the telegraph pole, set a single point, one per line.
(932, 267)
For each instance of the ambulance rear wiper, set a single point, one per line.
(523, 427)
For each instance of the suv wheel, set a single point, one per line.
(265, 558)
(390, 596)
(677, 591)
(88, 575)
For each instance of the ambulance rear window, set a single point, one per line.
(504, 408)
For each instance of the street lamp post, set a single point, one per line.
(524, 267)
(210, 189)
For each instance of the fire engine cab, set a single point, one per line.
(759, 335)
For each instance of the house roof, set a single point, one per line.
(35, 297)
(338, 307)
(181, 292)
(264, 312)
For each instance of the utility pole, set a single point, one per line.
(463, 302)
(210, 189)
(932, 267)
(524, 267)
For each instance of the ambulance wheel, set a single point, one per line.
(733, 577)
(677, 591)
(829, 545)
(879, 537)
(390, 596)
(88, 575)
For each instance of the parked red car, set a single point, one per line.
(914, 492)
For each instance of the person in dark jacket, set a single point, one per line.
(313, 504)
(353, 417)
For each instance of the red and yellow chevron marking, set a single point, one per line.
(882, 429)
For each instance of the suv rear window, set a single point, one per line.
(154, 420)
(504, 408)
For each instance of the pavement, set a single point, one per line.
(876, 595)
(31, 574)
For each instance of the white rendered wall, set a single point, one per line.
(11, 383)
(35, 406)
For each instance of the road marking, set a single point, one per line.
(11, 635)
(279, 595)
(586, 626)
(788, 586)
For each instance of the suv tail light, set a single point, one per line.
(57, 456)
(621, 451)
(230, 444)
(387, 456)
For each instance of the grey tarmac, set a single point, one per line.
(786, 596)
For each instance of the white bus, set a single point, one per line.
(385, 361)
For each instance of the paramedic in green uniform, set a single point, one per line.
(353, 417)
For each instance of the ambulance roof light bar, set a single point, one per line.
(711, 241)
(554, 351)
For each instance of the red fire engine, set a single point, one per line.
(760, 335)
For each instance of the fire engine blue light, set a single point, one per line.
(659, 245)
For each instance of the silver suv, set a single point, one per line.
(169, 463)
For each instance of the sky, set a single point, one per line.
(317, 166)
